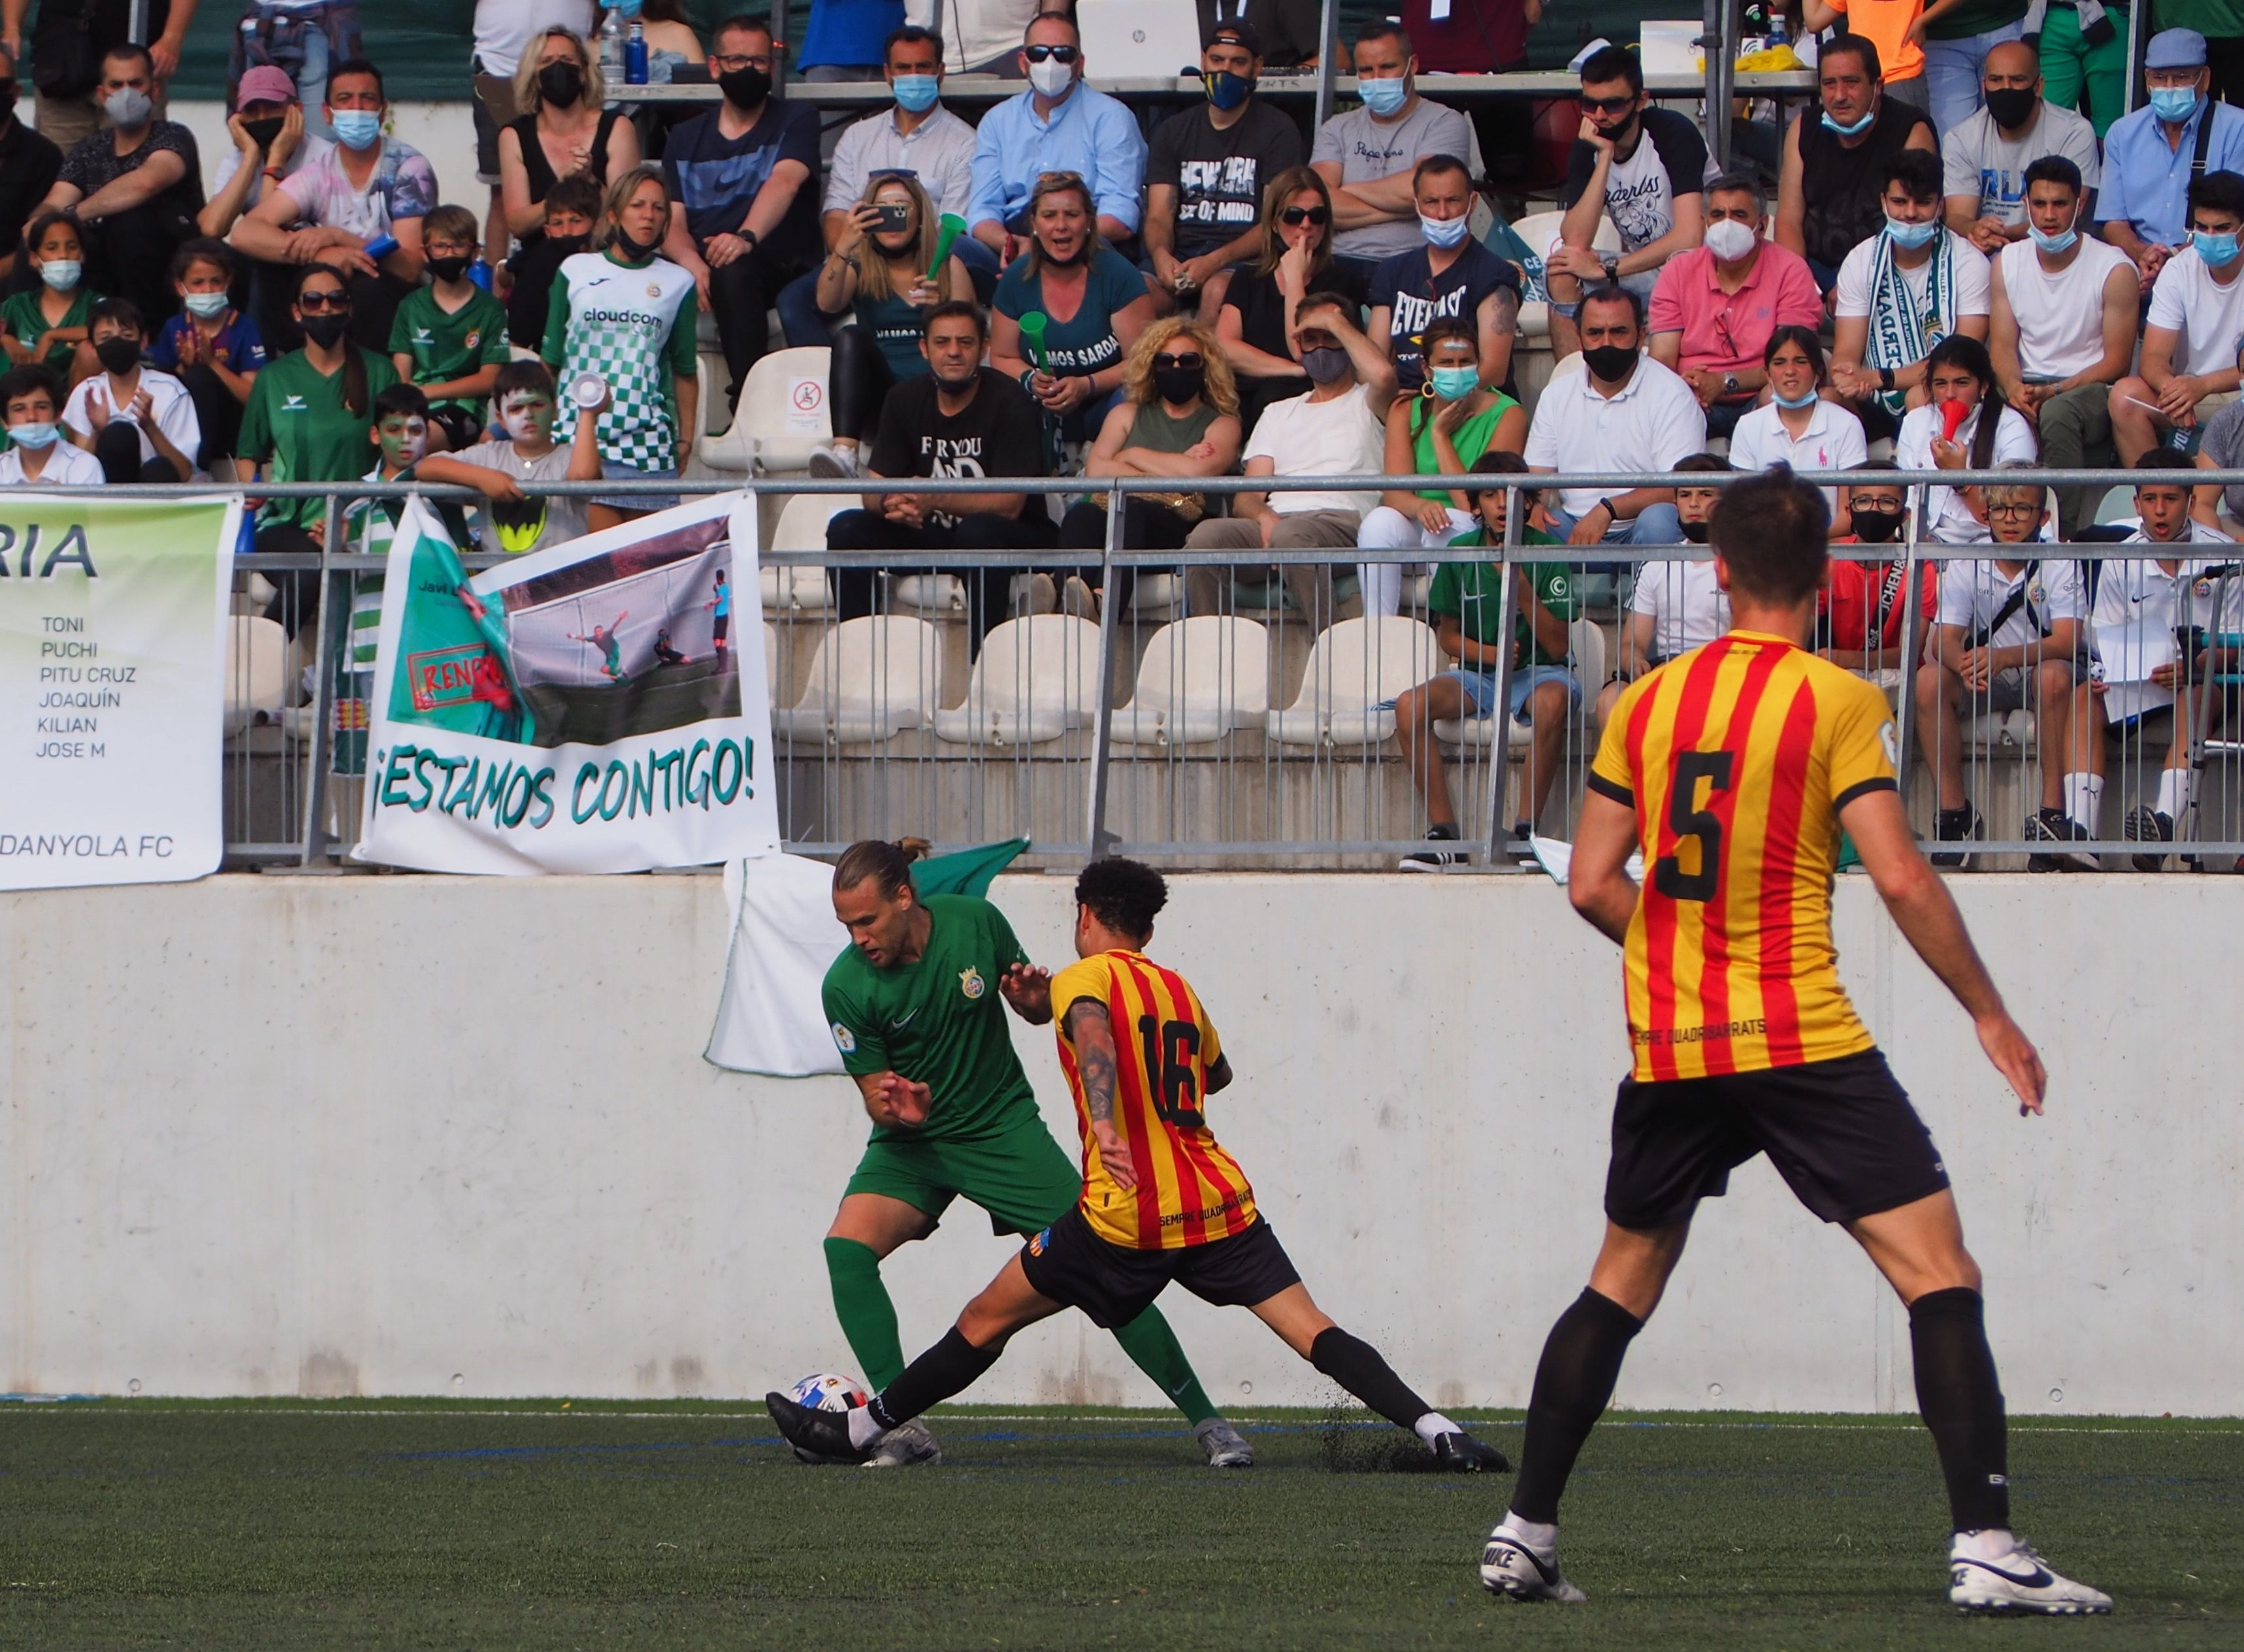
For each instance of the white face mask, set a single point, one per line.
(1729, 240)
(1051, 77)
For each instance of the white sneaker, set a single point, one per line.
(1509, 1567)
(1225, 1445)
(903, 1446)
(2020, 1582)
(827, 460)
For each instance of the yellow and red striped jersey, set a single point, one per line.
(1189, 1190)
(1737, 758)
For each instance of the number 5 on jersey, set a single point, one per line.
(1695, 824)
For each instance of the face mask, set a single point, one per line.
(1327, 364)
(262, 132)
(61, 274)
(1729, 240)
(1444, 232)
(915, 93)
(1052, 259)
(205, 307)
(449, 268)
(746, 88)
(2053, 244)
(634, 252)
(2216, 250)
(1384, 96)
(32, 436)
(561, 84)
(1793, 402)
(1454, 384)
(1180, 385)
(410, 446)
(2011, 107)
(128, 107)
(2175, 103)
(357, 128)
(528, 419)
(1611, 362)
(326, 331)
(1854, 131)
(1912, 236)
(1696, 531)
(1875, 526)
(118, 355)
(1051, 77)
(1226, 90)
(569, 243)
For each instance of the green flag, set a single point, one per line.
(455, 673)
(967, 871)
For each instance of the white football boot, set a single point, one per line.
(1509, 1567)
(2018, 1581)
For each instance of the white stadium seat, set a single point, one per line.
(1540, 232)
(869, 678)
(256, 670)
(784, 412)
(1199, 679)
(1037, 678)
(1354, 667)
(801, 526)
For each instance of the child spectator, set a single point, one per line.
(214, 349)
(49, 323)
(509, 520)
(400, 432)
(450, 336)
(138, 422)
(573, 209)
(1676, 606)
(30, 397)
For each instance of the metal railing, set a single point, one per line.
(1062, 750)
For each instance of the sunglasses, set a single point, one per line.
(1193, 359)
(1608, 105)
(313, 303)
(1297, 216)
(1058, 54)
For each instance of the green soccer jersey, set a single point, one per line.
(450, 345)
(1473, 591)
(296, 424)
(23, 318)
(939, 1022)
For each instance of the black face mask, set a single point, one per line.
(745, 88)
(634, 251)
(1610, 362)
(1875, 526)
(569, 243)
(118, 355)
(561, 84)
(1696, 531)
(1180, 385)
(2011, 107)
(325, 330)
(449, 269)
(262, 132)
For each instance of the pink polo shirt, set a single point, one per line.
(1727, 332)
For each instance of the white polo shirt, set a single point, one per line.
(1973, 593)
(67, 466)
(1686, 607)
(1653, 423)
(169, 406)
(2137, 605)
(1833, 440)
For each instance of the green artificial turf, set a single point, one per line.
(153, 1522)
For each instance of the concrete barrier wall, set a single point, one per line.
(394, 1134)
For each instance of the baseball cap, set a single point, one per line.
(266, 84)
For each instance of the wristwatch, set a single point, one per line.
(1730, 385)
(1611, 262)
(1886, 377)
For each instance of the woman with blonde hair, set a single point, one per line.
(563, 129)
(879, 269)
(1179, 417)
(1256, 321)
(1093, 300)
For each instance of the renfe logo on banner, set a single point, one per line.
(601, 706)
(112, 688)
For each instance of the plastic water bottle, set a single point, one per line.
(635, 55)
(612, 47)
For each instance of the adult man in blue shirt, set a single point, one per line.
(1060, 124)
(2151, 155)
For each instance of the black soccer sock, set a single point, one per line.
(952, 1365)
(1573, 1384)
(1962, 1403)
(1359, 1367)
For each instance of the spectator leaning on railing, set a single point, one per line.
(1983, 161)
(1677, 606)
(512, 519)
(1367, 156)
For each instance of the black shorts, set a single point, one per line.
(1113, 1284)
(1841, 1133)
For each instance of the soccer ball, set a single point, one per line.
(826, 1391)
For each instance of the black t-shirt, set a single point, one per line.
(717, 178)
(1261, 307)
(1288, 29)
(1220, 176)
(1414, 295)
(1001, 433)
(1669, 161)
(28, 165)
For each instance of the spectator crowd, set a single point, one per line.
(1969, 260)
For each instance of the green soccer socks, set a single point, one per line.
(1153, 1348)
(869, 1318)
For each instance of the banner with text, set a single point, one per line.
(112, 687)
(601, 706)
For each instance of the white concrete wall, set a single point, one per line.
(394, 1134)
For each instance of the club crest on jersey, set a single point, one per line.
(844, 1040)
(970, 981)
(2203, 589)
(654, 289)
(1037, 1246)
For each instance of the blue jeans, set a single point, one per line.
(798, 314)
(1654, 525)
(1479, 687)
(1951, 74)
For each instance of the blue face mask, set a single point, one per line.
(1912, 236)
(2053, 244)
(1226, 90)
(2176, 103)
(1854, 131)
(32, 436)
(915, 93)
(1385, 95)
(1444, 232)
(2216, 250)
(1454, 384)
(1793, 402)
(357, 128)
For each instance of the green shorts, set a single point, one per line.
(1017, 1174)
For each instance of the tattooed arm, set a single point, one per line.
(1093, 1035)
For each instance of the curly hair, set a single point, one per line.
(1221, 390)
(1124, 895)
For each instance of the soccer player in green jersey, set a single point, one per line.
(915, 1001)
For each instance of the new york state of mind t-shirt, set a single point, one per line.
(939, 1022)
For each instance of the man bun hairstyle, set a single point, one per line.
(889, 864)
(1124, 895)
(1773, 531)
